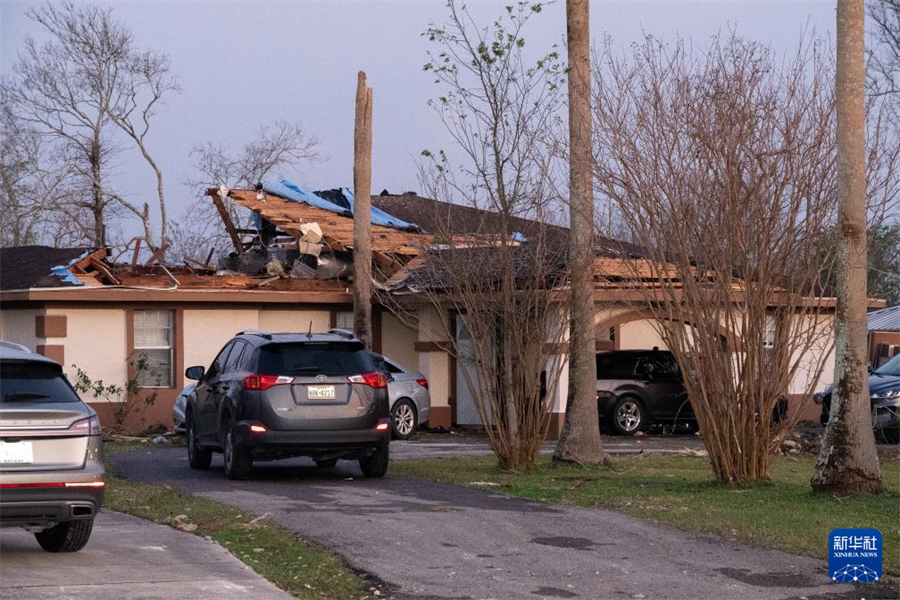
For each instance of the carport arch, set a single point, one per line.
(730, 341)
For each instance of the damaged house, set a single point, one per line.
(291, 271)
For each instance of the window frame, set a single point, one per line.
(136, 350)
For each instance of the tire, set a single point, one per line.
(198, 458)
(376, 464)
(404, 420)
(70, 536)
(628, 416)
(326, 464)
(238, 460)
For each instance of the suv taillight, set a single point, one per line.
(375, 380)
(264, 382)
(89, 426)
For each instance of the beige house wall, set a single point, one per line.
(206, 331)
(289, 320)
(18, 326)
(398, 342)
(95, 342)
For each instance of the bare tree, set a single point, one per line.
(68, 91)
(26, 182)
(848, 460)
(274, 148)
(148, 80)
(722, 168)
(493, 289)
(883, 75)
(579, 441)
(362, 213)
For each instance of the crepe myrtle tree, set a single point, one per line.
(721, 166)
(497, 281)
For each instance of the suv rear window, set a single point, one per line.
(34, 382)
(314, 358)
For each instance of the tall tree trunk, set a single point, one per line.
(848, 461)
(579, 441)
(362, 213)
(97, 193)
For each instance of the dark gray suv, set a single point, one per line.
(268, 396)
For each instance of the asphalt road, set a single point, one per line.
(428, 541)
(128, 559)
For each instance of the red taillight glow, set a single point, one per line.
(375, 380)
(383, 425)
(258, 429)
(264, 382)
(423, 383)
(90, 484)
(89, 426)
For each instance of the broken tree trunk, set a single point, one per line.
(848, 461)
(579, 441)
(362, 213)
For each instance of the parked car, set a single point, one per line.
(180, 406)
(639, 388)
(408, 396)
(884, 394)
(276, 395)
(51, 452)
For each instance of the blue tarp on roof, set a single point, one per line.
(295, 193)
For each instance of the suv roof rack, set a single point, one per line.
(15, 346)
(344, 333)
(259, 332)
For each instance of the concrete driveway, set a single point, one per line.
(428, 541)
(128, 559)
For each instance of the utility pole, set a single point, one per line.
(362, 213)
(579, 441)
(848, 461)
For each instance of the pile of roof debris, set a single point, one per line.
(302, 234)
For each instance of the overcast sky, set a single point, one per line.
(244, 64)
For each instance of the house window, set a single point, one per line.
(153, 335)
(769, 335)
(344, 320)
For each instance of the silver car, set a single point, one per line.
(51, 452)
(178, 410)
(408, 395)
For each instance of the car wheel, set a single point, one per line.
(238, 460)
(70, 536)
(198, 458)
(628, 416)
(404, 420)
(376, 464)
(326, 464)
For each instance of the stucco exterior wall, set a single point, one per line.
(288, 320)
(96, 342)
(398, 341)
(206, 331)
(17, 326)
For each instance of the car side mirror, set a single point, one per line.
(196, 373)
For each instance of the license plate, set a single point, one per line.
(320, 392)
(16, 453)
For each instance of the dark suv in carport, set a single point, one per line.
(277, 395)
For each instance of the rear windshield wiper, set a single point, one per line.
(23, 396)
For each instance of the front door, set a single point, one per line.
(466, 411)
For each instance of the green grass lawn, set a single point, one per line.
(277, 554)
(680, 491)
